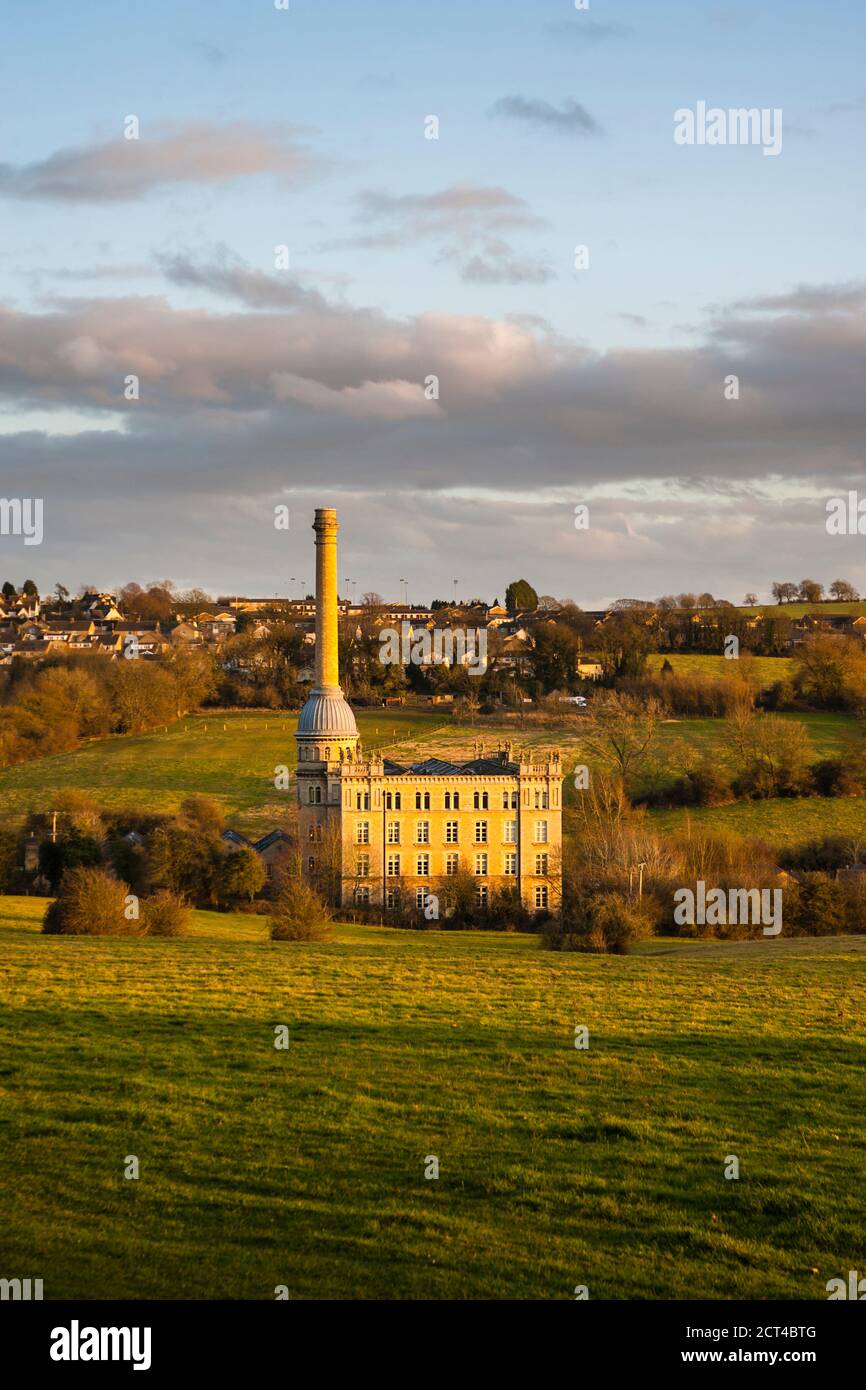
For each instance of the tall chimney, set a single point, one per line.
(327, 638)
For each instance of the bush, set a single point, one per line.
(299, 913)
(90, 902)
(832, 777)
(601, 922)
(165, 914)
(819, 908)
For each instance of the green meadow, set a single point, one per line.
(305, 1167)
(233, 757)
(760, 670)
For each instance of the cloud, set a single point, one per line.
(230, 278)
(337, 389)
(583, 30)
(503, 269)
(210, 52)
(571, 119)
(849, 298)
(168, 155)
(467, 220)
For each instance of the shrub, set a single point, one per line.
(819, 907)
(299, 913)
(833, 777)
(165, 914)
(90, 902)
(600, 922)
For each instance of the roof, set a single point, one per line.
(270, 839)
(437, 767)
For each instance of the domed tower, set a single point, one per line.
(327, 733)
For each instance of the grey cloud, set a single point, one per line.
(338, 391)
(583, 30)
(232, 279)
(505, 271)
(571, 119)
(467, 220)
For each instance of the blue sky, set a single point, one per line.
(680, 240)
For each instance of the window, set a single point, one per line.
(393, 832)
(422, 801)
(362, 894)
(541, 832)
(480, 801)
(362, 832)
(540, 800)
(481, 832)
(363, 801)
(452, 801)
(452, 864)
(541, 895)
(392, 801)
(422, 833)
(314, 795)
(510, 832)
(391, 897)
(421, 895)
(316, 832)
(422, 865)
(511, 863)
(393, 866)
(509, 801)
(451, 835)
(362, 866)
(398, 801)
(480, 865)
(311, 863)
(541, 865)
(481, 895)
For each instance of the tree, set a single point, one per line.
(9, 590)
(624, 642)
(750, 600)
(810, 591)
(686, 600)
(62, 592)
(843, 592)
(621, 732)
(773, 753)
(371, 599)
(784, 591)
(242, 876)
(554, 656)
(520, 597)
(29, 589)
(706, 601)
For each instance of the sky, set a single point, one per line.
(339, 260)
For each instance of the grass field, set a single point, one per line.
(761, 670)
(857, 609)
(305, 1167)
(233, 758)
(230, 757)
